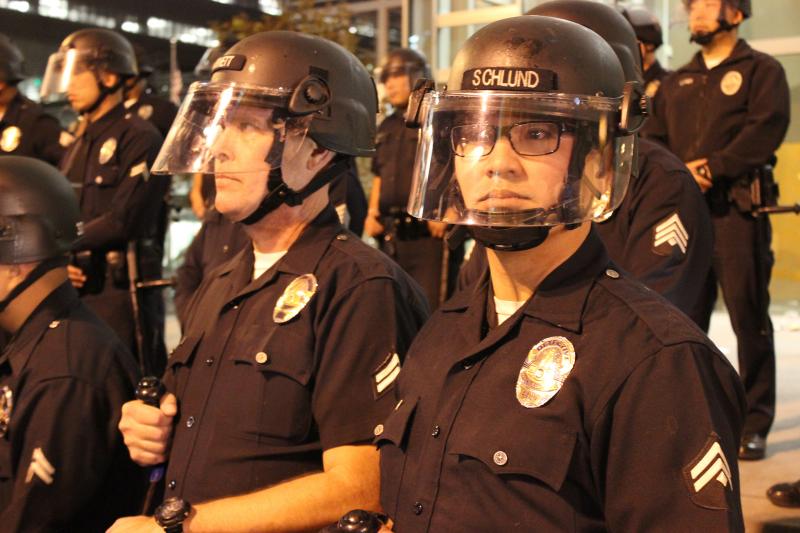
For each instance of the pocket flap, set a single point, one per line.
(282, 356)
(543, 451)
(183, 352)
(396, 425)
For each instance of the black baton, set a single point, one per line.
(150, 390)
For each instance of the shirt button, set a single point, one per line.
(209, 362)
(436, 431)
(261, 358)
(378, 430)
(236, 306)
(172, 484)
(466, 365)
(54, 324)
(500, 458)
(418, 508)
(98, 180)
(225, 249)
(341, 237)
(190, 422)
(611, 273)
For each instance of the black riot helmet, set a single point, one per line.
(39, 212)
(405, 61)
(10, 61)
(93, 49)
(532, 132)
(744, 6)
(645, 24)
(295, 85)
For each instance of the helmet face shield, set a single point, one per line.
(231, 128)
(62, 67)
(508, 159)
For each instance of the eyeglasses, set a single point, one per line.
(526, 138)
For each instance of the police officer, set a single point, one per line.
(417, 246)
(63, 377)
(142, 100)
(648, 31)
(25, 129)
(292, 347)
(660, 233)
(725, 113)
(123, 207)
(559, 394)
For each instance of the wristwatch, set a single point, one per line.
(171, 514)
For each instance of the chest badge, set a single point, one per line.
(544, 371)
(107, 150)
(6, 407)
(294, 298)
(145, 112)
(731, 83)
(10, 139)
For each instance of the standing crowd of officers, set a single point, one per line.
(563, 381)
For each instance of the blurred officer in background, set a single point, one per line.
(63, 377)
(123, 207)
(292, 347)
(558, 394)
(141, 99)
(416, 245)
(648, 31)
(25, 129)
(725, 113)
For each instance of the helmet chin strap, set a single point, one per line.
(40, 270)
(104, 92)
(704, 38)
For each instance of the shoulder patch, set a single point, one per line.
(385, 374)
(708, 476)
(668, 234)
(40, 467)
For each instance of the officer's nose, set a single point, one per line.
(223, 148)
(503, 162)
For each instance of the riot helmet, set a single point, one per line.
(405, 61)
(645, 24)
(94, 50)
(274, 88)
(10, 61)
(723, 25)
(203, 68)
(533, 131)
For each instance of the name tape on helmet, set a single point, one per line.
(229, 62)
(509, 79)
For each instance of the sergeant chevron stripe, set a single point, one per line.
(711, 466)
(672, 232)
(40, 467)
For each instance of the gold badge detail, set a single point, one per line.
(10, 139)
(145, 112)
(294, 298)
(6, 407)
(107, 150)
(544, 371)
(731, 83)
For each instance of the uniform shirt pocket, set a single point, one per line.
(541, 450)
(392, 439)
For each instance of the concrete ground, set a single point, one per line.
(783, 452)
(783, 446)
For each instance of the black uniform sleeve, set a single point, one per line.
(48, 136)
(138, 200)
(362, 341)
(70, 434)
(666, 458)
(671, 203)
(190, 274)
(763, 130)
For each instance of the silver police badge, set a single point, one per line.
(544, 371)
(294, 298)
(107, 150)
(10, 138)
(145, 112)
(6, 407)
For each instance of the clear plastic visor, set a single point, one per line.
(507, 159)
(231, 128)
(62, 67)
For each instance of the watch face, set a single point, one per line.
(172, 512)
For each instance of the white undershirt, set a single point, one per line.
(265, 261)
(711, 63)
(505, 308)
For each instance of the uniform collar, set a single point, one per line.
(560, 299)
(741, 50)
(302, 257)
(97, 128)
(46, 316)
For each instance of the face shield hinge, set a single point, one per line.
(635, 108)
(311, 95)
(421, 88)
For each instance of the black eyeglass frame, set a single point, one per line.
(561, 127)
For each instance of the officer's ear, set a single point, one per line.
(318, 158)
(108, 79)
